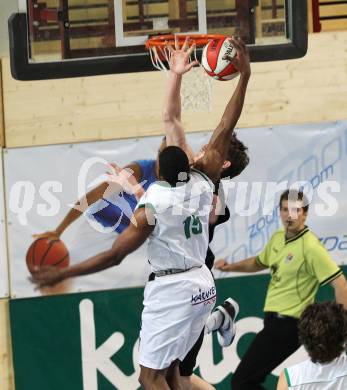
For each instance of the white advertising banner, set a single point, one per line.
(3, 251)
(312, 157)
(43, 182)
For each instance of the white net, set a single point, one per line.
(196, 90)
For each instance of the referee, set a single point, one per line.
(299, 264)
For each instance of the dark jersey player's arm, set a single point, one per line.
(217, 148)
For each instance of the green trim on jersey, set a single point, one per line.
(259, 262)
(201, 174)
(286, 374)
(298, 267)
(163, 183)
(298, 235)
(332, 277)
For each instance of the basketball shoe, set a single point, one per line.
(226, 332)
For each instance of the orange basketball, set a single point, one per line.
(45, 252)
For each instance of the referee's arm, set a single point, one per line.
(340, 287)
(252, 264)
(327, 271)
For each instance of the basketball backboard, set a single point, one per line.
(68, 38)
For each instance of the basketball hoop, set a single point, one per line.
(196, 84)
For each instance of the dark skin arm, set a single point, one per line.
(127, 242)
(217, 149)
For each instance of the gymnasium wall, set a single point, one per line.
(6, 370)
(2, 128)
(311, 89)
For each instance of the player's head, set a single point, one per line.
(323, 331)
(293, 210)
(173, 165)
(236, 161)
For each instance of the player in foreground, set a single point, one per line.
(222, 319)
(195, 230)
(323, 332)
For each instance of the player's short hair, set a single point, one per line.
(173, 165)
(323, 331)
(238, 157)
(293, 194)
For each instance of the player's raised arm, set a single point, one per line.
(218, 146)
(179, 65)
(127, 242)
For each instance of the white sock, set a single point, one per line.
(214, 321)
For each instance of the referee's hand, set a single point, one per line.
(220, 264)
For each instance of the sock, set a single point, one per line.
(214, 321)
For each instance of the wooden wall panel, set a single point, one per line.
(313, 88)
(333, 10)
(333, 15)
(334, 24)
(6, 369)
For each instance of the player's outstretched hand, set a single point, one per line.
(220, 264)
(51, 235)
(180, 57)
(126, 179)
(47, 276)
(241, 61)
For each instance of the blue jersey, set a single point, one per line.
(118, 211)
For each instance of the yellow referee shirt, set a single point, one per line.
(298, 266)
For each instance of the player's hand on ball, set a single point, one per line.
(179, 57)
(220, 264)
(47, 276)
(241, 61)
(51, 235)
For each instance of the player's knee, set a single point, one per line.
(185, 382)
(145, 378)
(148, 377)
(173, 377)
(177, 384)
(142, 379)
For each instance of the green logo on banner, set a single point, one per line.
(90, 341)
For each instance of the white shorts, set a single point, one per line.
(176, 308)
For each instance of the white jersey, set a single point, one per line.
(315, 376)
(180, 237)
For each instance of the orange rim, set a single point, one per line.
(198, 39)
